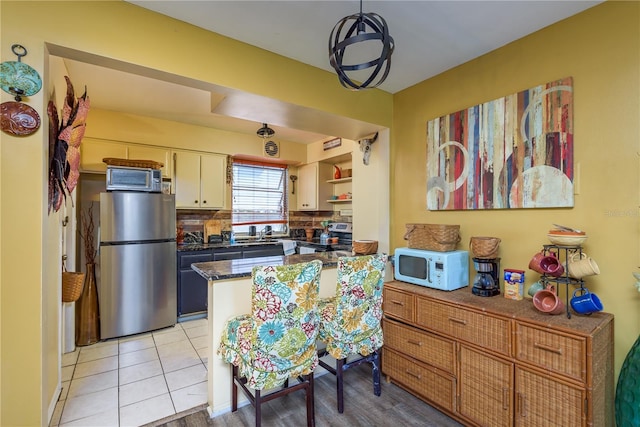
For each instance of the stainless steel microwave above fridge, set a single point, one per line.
(137, 288)
(134, 179)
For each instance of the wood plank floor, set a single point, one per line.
(395, 407)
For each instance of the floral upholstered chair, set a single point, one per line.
(350, 322)
(278, 339)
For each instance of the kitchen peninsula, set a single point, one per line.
(229, 294)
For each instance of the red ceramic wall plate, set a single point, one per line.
(19, 119)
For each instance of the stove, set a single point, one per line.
(341, 230)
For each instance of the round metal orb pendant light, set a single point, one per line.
(265, 131)
(368, 33)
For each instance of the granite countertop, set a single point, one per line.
(200, 246)
(184, 247)
(237, 268)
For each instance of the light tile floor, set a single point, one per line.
(135, 380)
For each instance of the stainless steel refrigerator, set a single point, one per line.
(137, 287)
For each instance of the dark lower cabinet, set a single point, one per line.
(192, 288)
(193, 293)
(227, 253)
(257, 251)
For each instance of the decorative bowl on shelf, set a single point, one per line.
(567, 238)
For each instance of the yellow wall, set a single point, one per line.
(600, 48)
(22, 279)
(1, 382)
(30, 246)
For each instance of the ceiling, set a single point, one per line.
(430, 37)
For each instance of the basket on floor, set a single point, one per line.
(433, 237)
(484, 247)
(72, 284)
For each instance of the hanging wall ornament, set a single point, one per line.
(65, 134)
(18, 78)
(18, 119)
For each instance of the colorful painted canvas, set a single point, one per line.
(513, 152)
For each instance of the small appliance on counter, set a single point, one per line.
(446, 271)
(214, 238)
(486, 282)
(123, 178)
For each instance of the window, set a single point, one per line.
(259, 197)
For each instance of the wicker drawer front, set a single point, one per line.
(420, 345)
(398, 304)
(480, 329)
(552, 351)
(426, 382)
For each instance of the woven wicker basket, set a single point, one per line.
(433, 237)
(72, 284)
(132, 163)
(365, 247)
(484, 247)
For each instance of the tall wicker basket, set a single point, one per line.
(433, 237)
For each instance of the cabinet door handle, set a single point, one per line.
(195, 201)
(505, 398)
(459, 321)
(418, 343)
(416, 376)
(547, 348)
(396, 302)
(521, 404)
(204, 201)
(175, 160)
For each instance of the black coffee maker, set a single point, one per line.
(486, 283)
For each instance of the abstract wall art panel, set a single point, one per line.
(513, 152)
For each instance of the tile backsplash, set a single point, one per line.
(193, 222)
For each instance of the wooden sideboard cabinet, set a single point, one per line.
(491, 361)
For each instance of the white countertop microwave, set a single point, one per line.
(439, 270)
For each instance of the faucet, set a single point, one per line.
(263, 233)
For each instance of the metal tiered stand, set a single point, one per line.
(565, 279)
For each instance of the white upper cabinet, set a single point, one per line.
(213, 172)
(92, 151)
(199, 180)
(157, 154)
(313, 189)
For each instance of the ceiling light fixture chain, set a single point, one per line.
(355, 31)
